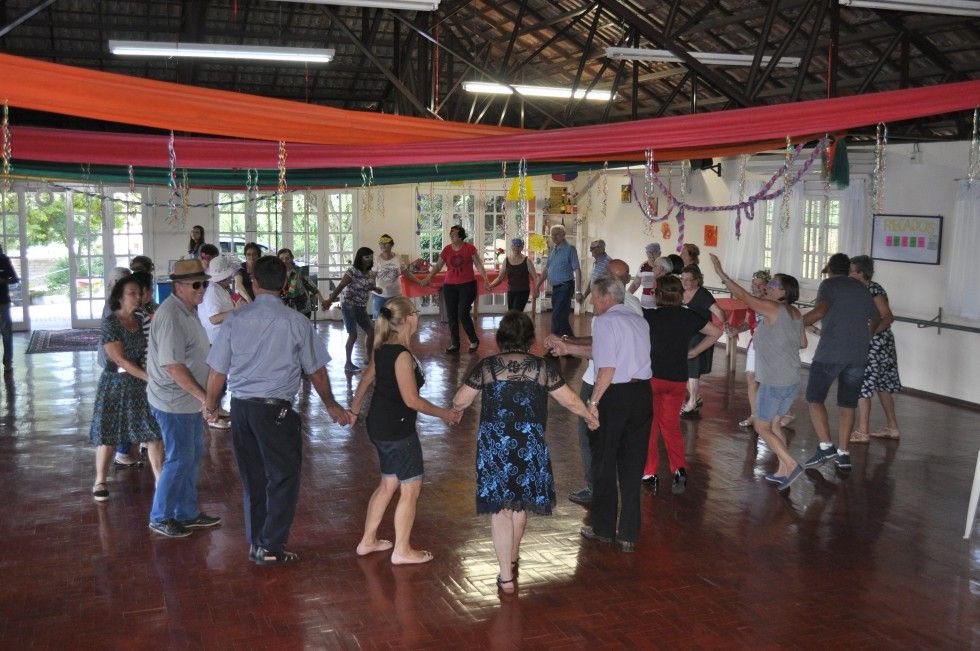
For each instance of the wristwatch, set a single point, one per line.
(592, 403)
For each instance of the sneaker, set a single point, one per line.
(263, 556)
(680, 482)
(793, 476)
(775, 479)
(583, 497)
(473, 346)
(351, 368)
(202, 521)
(453, 349)
(843, 460)
(652, 482)
(821, 456)
(170, 529)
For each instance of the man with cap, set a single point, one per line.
(601, 262)
(177, 370)
(849, 317)
(263, 380)
(565, 274)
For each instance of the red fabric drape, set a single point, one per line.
(68, 90)
(690, 136)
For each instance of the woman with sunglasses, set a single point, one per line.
(397, 376)
(778, 340)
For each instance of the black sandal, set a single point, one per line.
(501, 583)
(515, 566)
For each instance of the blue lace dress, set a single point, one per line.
(513, 463)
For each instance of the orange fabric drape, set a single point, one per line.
(68, 90)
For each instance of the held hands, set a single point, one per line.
(451, 417)
(592, 420)
(340, 415)
(325, 304)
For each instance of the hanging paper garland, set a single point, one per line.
(282, 175)
(878, 177)
(746, 208)
(367, 184)
(974, 165)
(787, 184)
(522, 195)
(172, 179)
(132, 179)
(743, 165)
(418, 212)
(185, 194)
(6, 149)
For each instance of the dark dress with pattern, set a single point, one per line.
(881, 370)
(122, 414)
(701, 303)
(513, 463)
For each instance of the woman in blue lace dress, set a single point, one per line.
(513, 464)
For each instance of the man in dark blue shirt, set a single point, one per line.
(8, 277)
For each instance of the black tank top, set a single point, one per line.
(389, 418)
(518, 277)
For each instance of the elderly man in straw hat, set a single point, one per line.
(178, 371)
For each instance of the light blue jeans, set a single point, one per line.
(6, 330)
(183, 444)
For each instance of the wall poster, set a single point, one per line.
(907, 238)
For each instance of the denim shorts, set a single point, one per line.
(401, 458)
(355, 315)
(848, 376)
(750, 359)
(772, 401)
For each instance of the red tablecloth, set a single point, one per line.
(413, 290)
(734, 308)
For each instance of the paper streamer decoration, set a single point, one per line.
(513, 194)
(537, 243)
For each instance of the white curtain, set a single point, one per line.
(853, 219)
(963, 242)
(787, 245)
(742, 257)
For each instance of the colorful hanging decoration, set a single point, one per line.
(665, 230)
(6, 149)
(418, 212)
(837, 167)
(878, 176)
(185, 193)
(742, 209)
(367, 185)
(524, 192)
(604, 190)
(132, 179)
(974, 165)
(172, 180)
(537, 243)
(743, 166)
(282, 173)
(787, 185)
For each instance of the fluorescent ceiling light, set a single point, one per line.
(712, 58)
(409, 5)
(944, 7)
(536, 91)
(219, 51)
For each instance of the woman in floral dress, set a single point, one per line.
(513, 464)
(121, 413)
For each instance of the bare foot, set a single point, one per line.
(413, 557)
(377, 546)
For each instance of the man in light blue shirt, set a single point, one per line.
(623, 403)
(565, 273)
(599, 266)
(265, 349)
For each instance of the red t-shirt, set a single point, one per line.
(459, 264)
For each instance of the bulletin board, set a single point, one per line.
(916, 239)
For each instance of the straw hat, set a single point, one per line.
(189, 270)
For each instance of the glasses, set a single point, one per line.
(197, 284)
(774, 284)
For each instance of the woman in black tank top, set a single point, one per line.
(521, 277)
(396, 375)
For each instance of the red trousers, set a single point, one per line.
(668, 397)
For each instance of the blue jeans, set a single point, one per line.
(7, 330)
(183, 445)
(822, 375)
(561, 308)
(378, 302)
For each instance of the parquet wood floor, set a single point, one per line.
(873, 559)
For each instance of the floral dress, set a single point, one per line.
(122, 414)
(513, 463)
(881, 370)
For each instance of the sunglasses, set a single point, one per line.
(774, 284)
(198, 284)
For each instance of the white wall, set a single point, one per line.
(947, 363)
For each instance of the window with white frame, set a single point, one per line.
(821, 233)
(767, 242)
(430, 226)
(231, 209)
(127, 237)
(302, 237)
(268, 224)
(338, 224)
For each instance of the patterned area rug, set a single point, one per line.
(63, 341)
